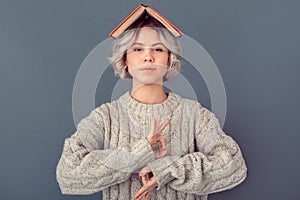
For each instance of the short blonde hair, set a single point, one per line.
(126, 39)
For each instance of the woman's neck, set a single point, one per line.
(149, 94)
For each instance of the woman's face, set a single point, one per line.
(147, 58)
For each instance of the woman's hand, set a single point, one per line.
(149, 184)
(158, 145)
(156, 139)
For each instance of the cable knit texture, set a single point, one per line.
(110, 147)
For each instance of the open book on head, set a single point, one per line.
(144, 11)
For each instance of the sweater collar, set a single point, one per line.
(138, 109)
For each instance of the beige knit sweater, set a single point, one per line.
(110, 147)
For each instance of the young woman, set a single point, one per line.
(148, 143)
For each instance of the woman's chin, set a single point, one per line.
(149, 80)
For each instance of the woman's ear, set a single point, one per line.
(169, 59)
(125, 60)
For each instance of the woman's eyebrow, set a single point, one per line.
(158, 43)
(138, 43)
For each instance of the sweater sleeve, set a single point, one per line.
(85, 167)
(216, 165)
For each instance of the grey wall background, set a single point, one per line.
(254, 43)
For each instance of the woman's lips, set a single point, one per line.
(147, 68)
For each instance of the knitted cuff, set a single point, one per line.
(161, 169)
(143, 149)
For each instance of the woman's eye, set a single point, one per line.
(137, 49)
(159, 50)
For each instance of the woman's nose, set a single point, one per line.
(148, 57)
